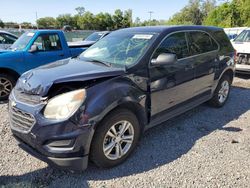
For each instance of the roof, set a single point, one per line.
(159, 29)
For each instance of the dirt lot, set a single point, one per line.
(204, 147)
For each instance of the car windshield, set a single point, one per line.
(94, 36)
(244, 36)
(120, 48)
(23, 41)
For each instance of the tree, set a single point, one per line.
(118, 19)
(46, 22)
(230, 14)
(87, 21)
(66, 19)
(1, 24)
(80, 10)
(26, 25)
(127, 18)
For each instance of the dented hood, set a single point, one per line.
(38, 81)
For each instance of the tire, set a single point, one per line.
(221, 93)
(7, 82)
(102, 140)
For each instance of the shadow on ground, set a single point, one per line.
(159, 146)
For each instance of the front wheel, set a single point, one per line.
(221, 93)
(115, 138)
(7, 83)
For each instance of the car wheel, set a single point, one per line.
(221, 92)
(115, 138)
(7, 83)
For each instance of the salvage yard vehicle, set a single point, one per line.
(6, 39)
(91, 39)
(32, 49)
(242, 46)
(98, 105)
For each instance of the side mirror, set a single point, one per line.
(33, 48)
(164, 59)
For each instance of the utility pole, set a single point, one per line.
(150, 15)
(36, 21)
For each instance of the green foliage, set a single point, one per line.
(230, 14)
(192, 14)
(26, 25)
(1, 24)
(47, 22)
(65, 19)
(80, 10)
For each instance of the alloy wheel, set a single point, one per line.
(118, 140)
(5, 87)
(223, 92)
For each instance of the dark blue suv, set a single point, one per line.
(96, 106)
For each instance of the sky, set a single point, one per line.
(25, 10)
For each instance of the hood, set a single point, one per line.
(81, 43)
(38, 81)
(242, 47)
(2, 51)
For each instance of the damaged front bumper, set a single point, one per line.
(64, 145)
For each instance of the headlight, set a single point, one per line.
(65, 105)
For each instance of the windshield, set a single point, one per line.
(119, 48)
(94, 36)
(244, 36)
(23, 41)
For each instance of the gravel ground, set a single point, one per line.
(204, 147)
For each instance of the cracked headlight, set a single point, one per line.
(63, 106)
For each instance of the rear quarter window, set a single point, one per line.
(224, 42)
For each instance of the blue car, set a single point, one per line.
(32, 49)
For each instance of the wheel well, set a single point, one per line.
(10, 72)
(229, 73)
(137, 110)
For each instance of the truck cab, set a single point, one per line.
(31, 50)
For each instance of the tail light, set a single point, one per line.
(235, 56)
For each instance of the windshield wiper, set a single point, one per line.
(101, 62)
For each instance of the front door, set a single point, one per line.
(171, 84)
(49, 50)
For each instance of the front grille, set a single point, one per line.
(21, 121)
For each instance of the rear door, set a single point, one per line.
(204, 52)
(171, 84)
(49, 50)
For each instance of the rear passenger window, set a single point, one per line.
(176, 44)
(200, 42)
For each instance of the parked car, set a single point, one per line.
(91, 39)
(32, 49)
(98, 105)
(6, 39)
(242, 46)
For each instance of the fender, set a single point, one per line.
(12, 61)
(122, 91)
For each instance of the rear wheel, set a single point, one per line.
(115, 138)
(221, 92)
(7, 82)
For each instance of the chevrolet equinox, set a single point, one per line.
(96, 106)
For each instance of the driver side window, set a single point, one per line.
(176, 44)
(48, 43)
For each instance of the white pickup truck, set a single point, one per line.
(242, 46)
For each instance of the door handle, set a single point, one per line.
(189, 67)
(61, 55)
